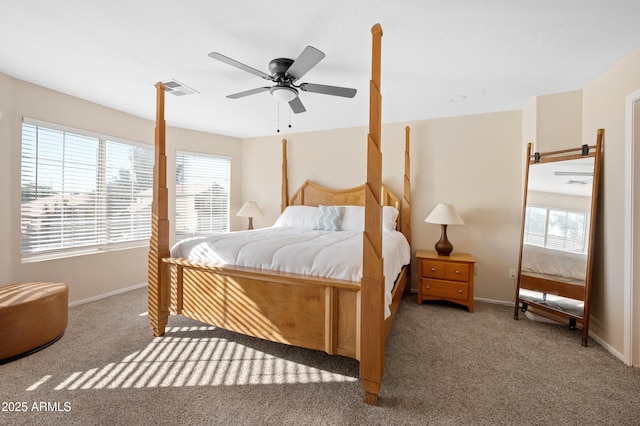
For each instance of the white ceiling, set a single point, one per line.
(497, 53)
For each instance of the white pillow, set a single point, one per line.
(389, 218)
(297, 217)
(329, 218)
(353, 219)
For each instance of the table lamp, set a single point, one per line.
(444, 214)
(250, 209)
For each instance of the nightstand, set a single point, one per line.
(446, 277)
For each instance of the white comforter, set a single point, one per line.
(296, 250)
(554, 262)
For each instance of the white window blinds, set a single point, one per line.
(202, 194)
(82, 191)
(556, 229)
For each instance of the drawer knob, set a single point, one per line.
(433, 269)
(457, 271)
(459, 291)
(428, 286)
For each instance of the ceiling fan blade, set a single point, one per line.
(308, 59)
(240, 65)
(573, 173)
(248, 92)
(328, 90)
(296, 105)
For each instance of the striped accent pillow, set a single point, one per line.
(329, 218)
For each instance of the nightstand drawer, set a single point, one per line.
(456, 271)
(445, 270)
(445, 289)
(433, 269)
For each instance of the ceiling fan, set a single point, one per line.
(285, 73)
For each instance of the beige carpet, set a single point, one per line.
(444, 366)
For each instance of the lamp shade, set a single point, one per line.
(444, 214)
(250, 209)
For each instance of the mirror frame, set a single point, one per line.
(585, 151)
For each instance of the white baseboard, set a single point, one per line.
(480, 299)
(495, 302)
(608, 347)
(104, 295)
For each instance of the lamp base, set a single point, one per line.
(444, 247)
(250, 224)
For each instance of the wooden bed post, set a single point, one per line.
(285, 180)
(372, 285)
(158, 290)
(406, 200)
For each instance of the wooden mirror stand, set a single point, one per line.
(557, 235)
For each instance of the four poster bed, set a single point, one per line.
(344, 316)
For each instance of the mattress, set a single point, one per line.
(331, 254)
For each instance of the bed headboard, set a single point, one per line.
(312, 194)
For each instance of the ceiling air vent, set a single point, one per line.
(176, 88)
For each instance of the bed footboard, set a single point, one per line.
(310, 312)
(564, 287)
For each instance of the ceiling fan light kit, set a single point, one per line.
(285, 72)
(284, 93)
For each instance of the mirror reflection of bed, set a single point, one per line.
(566, 270)
(557, 239)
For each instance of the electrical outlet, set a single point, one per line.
(512, 273)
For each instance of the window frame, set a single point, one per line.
(178, 235)
(100, 245)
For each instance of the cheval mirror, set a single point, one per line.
(557, 235)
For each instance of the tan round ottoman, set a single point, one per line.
(32, 316)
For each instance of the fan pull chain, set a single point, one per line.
(278, 120)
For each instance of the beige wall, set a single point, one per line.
(604, 107)
(472, 162)
(552, 122)
(559, 121)
(529, 122)
(334, 158)
(6, 152)
(90, 275)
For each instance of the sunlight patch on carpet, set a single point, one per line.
(183, 360)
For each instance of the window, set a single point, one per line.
(556, 229)
(82, 191)
(202, 194)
